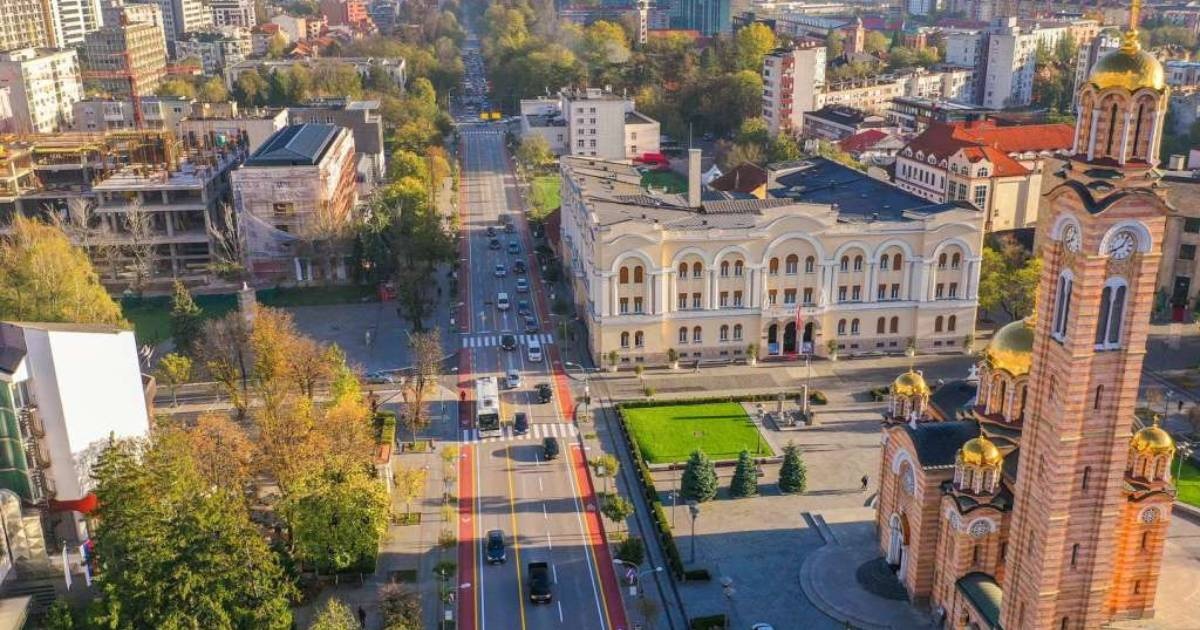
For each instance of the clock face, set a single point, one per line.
(1122, 245)
(1070, 237)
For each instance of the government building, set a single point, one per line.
(829, 262)
(1038, 506)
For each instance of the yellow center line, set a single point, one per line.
(512, 505)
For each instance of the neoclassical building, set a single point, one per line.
(831, 260)
(1045, 509)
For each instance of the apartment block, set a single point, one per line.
(233, 13)
(184, 16)
(26, 24)
(1089, 54)
(125, 59)
(592, 122)
(344, 12)
(157, 112)
(1003, 57)
(295, 197)
(44, 84)
(363, 120)
(1179, 269)
(217, 49)
(792, 77)
(73, 19)
(118, 12)
(64, 390)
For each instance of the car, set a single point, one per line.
(522, 285)
(534, 350)
(508, 342)
(494, 244)
(509, 228)
(519, 266)
(512, 380)
(520, 423)
(531, 324)
(523, 308)
(491, 230)
(379, 378)
(502, 302)
(501, 271)
(550, 448)
(495, 547)
(514, 247)
(539, 583)
(544, 393)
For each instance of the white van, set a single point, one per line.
(502, 302)
(534, 350)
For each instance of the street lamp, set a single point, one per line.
(1183, 450)
(642, 591)
(694, 510)
(728, 591)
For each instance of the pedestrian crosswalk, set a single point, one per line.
(536, 433)
(489, 341)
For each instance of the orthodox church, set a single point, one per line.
(1041, 507)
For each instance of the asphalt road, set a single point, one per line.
(545, 508)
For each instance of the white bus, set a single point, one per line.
(487, 407)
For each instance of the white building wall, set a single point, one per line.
(44, 85)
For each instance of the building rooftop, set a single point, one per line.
(743, 178)
(985, 140)
(295, 145)
(858, 196)
(938, 442)
(985, 594)
(69, 327)
(846, 116)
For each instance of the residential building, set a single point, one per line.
(709, 17)
(44, 84)
(125, 59)
(802, 25)
(835, 122)
(914, 114)
(792, 76)
(872, 94)
(118, 12)
(73, 19)
(27, 24)
(591, 121)
(261, 37)
(158, 112)
(1003, 57)
(997, 169)
(65, 391)
(1181, 74)
(830, 262)
(874, 147)
(184, 16)
(1179, 270)
(296, 28)
(1046, 504)
(1185, 110)
(1104, 43)
(233, 13)
(295, 197)
(922, 7)
(213, 128)
(365, 124)
(393, 67)
(344, 12)
(384, 14)
(216, 49)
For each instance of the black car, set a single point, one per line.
(539, 583)
(513, 247)
(544, 393)
(496, 553)
(519, 266)
(509, 228)
(508, 342)
(531, 324)
(491, 231)
(494, 244)
(520, 423)
(550, 448)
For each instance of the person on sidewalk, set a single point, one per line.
(865, 481)
(362, 617)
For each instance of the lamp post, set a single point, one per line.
(587, 388)
(642, 591)
(728, 591)
(694, 510)
(1183, 450)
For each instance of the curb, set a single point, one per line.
(808, 586)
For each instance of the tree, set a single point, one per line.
(753, 42)
(876, 42)
(699, 480)
(176, 551)
(427, 354)
(251, 89)
(59, 617)
(175, 370)
(223, 453)
(745, 477)
(631, 550)
(783, 148)
(792, 474)
(604, 43)
(604, 465)
(43, 278)
(400, 607)
(616, 508)
(409, 484)
(187, 320)
(213, 91)
(276, 46)
(533, 152)
(177, 87)
(225, 353)
(835, 44)
(336, 520)
(1008, 283)
(334, 615)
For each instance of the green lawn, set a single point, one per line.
(672, 181)
(670, 433)
(151, 317)
(1188, 484)
(544, 193)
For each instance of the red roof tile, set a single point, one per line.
(862, 141)
(994, 143)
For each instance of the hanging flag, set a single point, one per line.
(66, 567)
(86, 560)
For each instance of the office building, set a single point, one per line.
(216, 49)
(233, 13)
(125, 59)
(184, 16)
(295, 197)
(590, 121)
(708, 17)
(43, 86)
(365, 124)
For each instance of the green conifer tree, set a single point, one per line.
(745, 477)
(187, 320)
(699, 481)
(793, 477)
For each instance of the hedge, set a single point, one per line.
(635, 404)
(385, 427)
(661, 523)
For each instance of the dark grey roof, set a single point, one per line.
(951, 398)
(10, 359)
(938, 442)
(840, 114)
(295, 145)
(858, 196)
(985, 594)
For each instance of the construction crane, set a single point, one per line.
(127, 74)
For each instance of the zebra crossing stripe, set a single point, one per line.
(535, 432)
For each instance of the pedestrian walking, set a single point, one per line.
(865, 480)
(1180, 410)
(362, 617)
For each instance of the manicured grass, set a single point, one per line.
(1188, 483)
(544, 193)
(670, 433)
(672, 181)
(151, 316)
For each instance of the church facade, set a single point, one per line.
(1043, 508)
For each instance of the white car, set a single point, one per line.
(522, 285)
(501, 271)
(534, 350)
(512, 380)
(502, 302)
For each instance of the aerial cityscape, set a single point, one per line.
(611, 314)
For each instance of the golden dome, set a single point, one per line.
(980, 452)
(1011, 348)
(1129, 68)
(910, 383)
(1153, 440)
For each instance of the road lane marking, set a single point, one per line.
(550, 545)
(512, 506)
(545, 514)
(560, 615)
(541, 489)
(587, 547)
(553, 567)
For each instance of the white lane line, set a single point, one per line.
(560, 615)
(550, 546)
(541, 489)
(545, 513)
(553, 567)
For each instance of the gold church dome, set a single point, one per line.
(1011, 348)
(1129, 68)
(1153, 440)
(980, 452)
(910, 383)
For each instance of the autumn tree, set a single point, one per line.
(1008, 279)
(174, 370)
(753, 42)
(336, 520)
(43, 278)
(187, 320)
(223, 452)
(334, 615)
(534, 152)
(225, 353)
(409, 484)
(427, 353)
(213, 91)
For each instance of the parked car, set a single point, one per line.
(544, 393)
(550, 448)
(379, 378)
(496, 553)
(520, 423)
